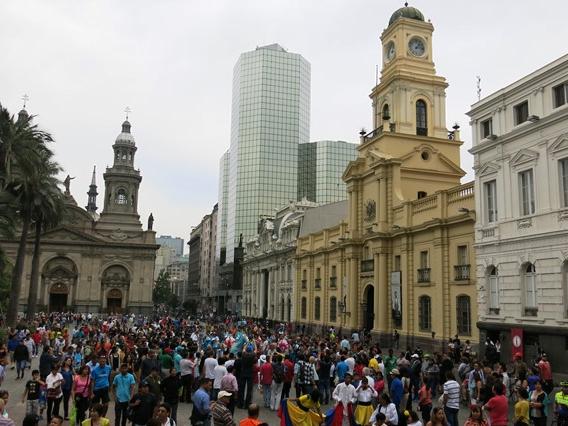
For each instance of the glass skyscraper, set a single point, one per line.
(320, 167)
(223, 205)
(270, 118)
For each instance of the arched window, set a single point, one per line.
(386, 113)
(463, 306)
(303, 308)
(317, 308)
(424, 313)
(333, 309)
(421, 118)
(529, 282)
(493, 287)
(121, 197)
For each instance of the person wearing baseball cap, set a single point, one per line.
(220, 412)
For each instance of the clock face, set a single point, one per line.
(416, 46)
(390, 51)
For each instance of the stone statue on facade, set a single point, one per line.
(67, 183)
(150, 222)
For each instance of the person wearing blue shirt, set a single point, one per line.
(100, 382)
(123, 387)
(177, 358)
(201, 404)
(396, 389)
(341, 369)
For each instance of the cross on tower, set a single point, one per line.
(127, 110)
(25, 98)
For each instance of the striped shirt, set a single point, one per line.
(452, 389)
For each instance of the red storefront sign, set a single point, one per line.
(517, 342)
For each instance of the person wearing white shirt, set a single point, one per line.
(387, 408)
(351, 364)
(209, 365)
(219, 372)
(344, 394)
(364, 394)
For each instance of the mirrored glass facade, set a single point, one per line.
(223, 205)
(320, 167)
(270, 117)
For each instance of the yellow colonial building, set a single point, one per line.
(400, 259)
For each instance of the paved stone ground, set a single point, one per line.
(16, 408)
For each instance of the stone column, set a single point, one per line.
(353, 293)
(382, 300)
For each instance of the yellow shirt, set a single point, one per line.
(374, 364)
(103, 421)
(307, 402)
(522, 411)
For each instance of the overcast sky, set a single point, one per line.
(171, 61)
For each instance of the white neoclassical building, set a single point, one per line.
(269, 264)
(520, 145)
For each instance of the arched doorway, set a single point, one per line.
(369, 307)
(59, 277)
(115, 285)
(58, 298)
(114, 301)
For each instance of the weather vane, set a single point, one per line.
(127, 110)
(478, 78)
(25, 98)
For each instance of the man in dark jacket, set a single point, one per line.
(142, 405)
(45, 362)
(21, 356)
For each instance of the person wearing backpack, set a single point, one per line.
(277, 382)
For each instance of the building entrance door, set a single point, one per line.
(58, 302)
(114, 301)
(369, 313)
(58, 298)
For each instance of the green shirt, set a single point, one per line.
(166, 361)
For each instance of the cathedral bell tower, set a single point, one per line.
(122, 181)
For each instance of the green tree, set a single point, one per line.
(27, 163)
(162, 292)
(47, 213)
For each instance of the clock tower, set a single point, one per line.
(410, 97)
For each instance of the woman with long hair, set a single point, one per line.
(538, 403)
(475, 417)
(438, 418)
(67, 373)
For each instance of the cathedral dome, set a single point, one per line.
(125, 136)
(406, 12)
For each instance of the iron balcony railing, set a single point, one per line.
(424, 275)
(461, 272)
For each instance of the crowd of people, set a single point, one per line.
(149, 366)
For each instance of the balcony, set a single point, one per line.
(304, 284)
(333, 282)
(424, 275)
(367, 265)
(531, 312)
(317, 285)
(461, 272)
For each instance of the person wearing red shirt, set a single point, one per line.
(498, 407)
(266, 379)
(288, 377)
(546, 373)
